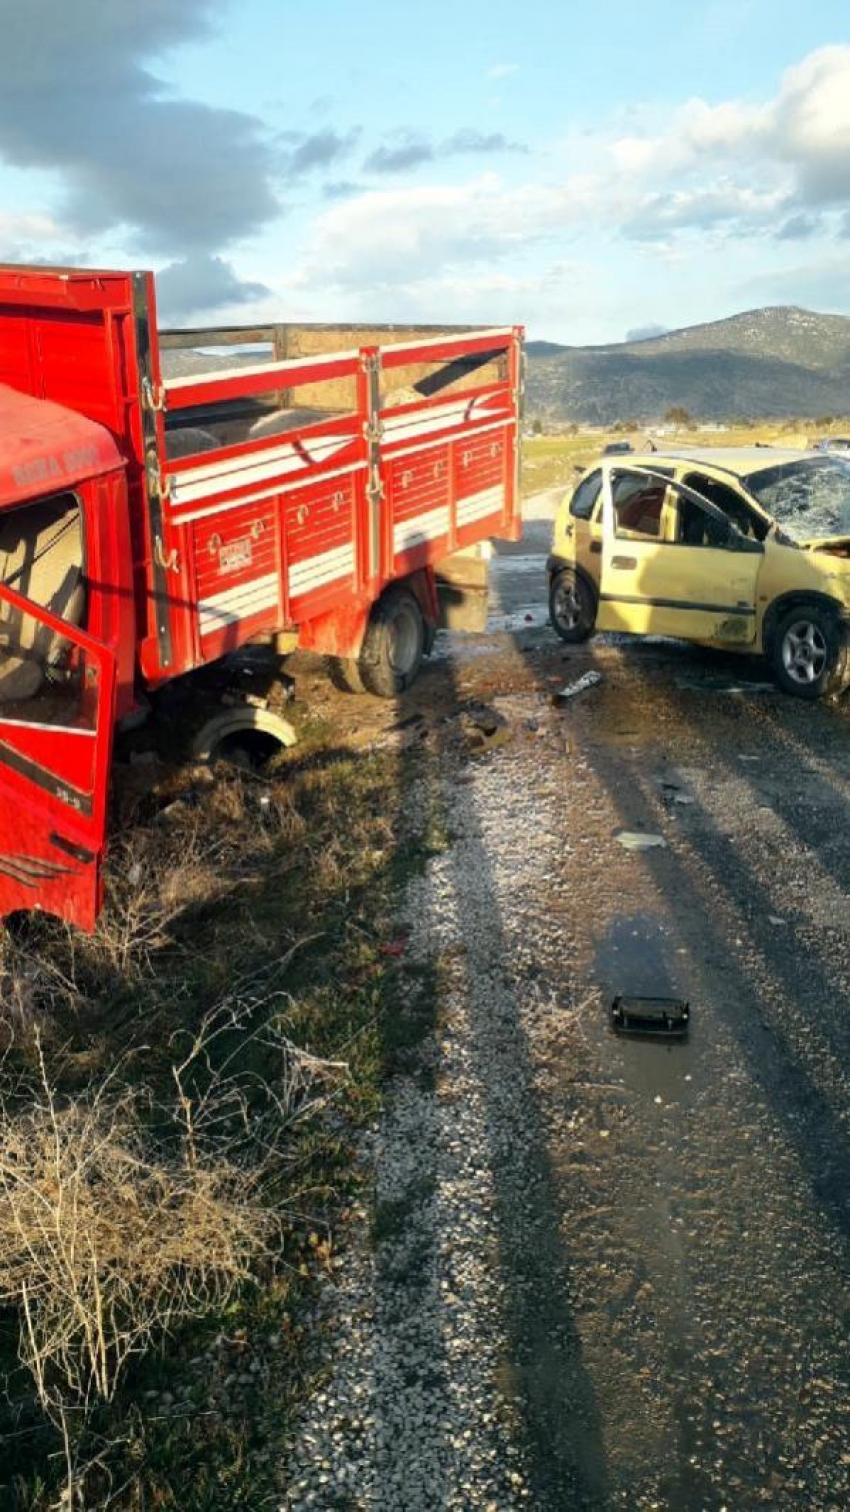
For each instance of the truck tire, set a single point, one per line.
(344, 673)
(572, 606)
(809, 652)
(393, 645)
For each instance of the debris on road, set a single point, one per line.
(661, 1017)
(723, 685)
(483, 727)
(571, 690)
(638, 840)
(672, 793)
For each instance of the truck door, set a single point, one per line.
(673, 563)
(57, 691)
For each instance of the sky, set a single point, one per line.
(593, 172)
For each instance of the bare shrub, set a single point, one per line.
(153, 879)
(123, 1213)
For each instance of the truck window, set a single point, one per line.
(586, 496)
(638, 503)
(696, 528)
(41, 557)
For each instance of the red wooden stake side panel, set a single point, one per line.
(339, 508)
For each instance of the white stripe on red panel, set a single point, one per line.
(420, 528)
(254, 467)
(458, 439)
(199, 482)
(237, 603)
(478, 505)
(316, 571)
(267, 493)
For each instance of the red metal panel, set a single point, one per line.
(419, 495)
(237, 582)
(480, 485)
(323, 564)
(238, 383)
(444, 348)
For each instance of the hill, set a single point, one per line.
(776, 361)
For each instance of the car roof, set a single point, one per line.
(741, 461)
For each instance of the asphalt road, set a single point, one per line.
(709, 1238)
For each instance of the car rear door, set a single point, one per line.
(57, 694)
(658, 578)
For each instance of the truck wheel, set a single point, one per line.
(344, 673)
(393, 645)
(572, 606)
(809, 656)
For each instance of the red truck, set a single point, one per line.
(150, 524)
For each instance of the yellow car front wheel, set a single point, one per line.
(810, 657)
(572, 606)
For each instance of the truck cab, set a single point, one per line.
(62, 620)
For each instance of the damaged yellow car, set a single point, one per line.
(745, 549)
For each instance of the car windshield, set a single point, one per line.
(809, 498)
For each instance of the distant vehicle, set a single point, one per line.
(729, 547)
(617, 448)
(833, 443)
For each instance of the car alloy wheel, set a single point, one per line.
(804, 652)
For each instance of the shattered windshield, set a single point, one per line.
(807, 498)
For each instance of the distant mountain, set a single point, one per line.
(776, 361)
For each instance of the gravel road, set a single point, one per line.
(601, 1272)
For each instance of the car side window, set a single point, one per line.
(586, 496)
(638, 502)
(695, 527)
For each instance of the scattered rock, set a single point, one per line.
(638, 840)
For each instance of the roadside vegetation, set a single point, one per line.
(181, 1097)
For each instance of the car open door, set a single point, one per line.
(673, 564)
(57, 691)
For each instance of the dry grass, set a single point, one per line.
(155, 1158)
(122, 1215)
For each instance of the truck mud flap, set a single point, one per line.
(463, 591)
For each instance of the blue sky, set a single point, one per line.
(589, 171)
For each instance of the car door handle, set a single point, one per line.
(624, 562)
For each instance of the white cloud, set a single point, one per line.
(502, 70)
(811, 125)
(28, 227)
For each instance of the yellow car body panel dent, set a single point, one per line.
(663, 564)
